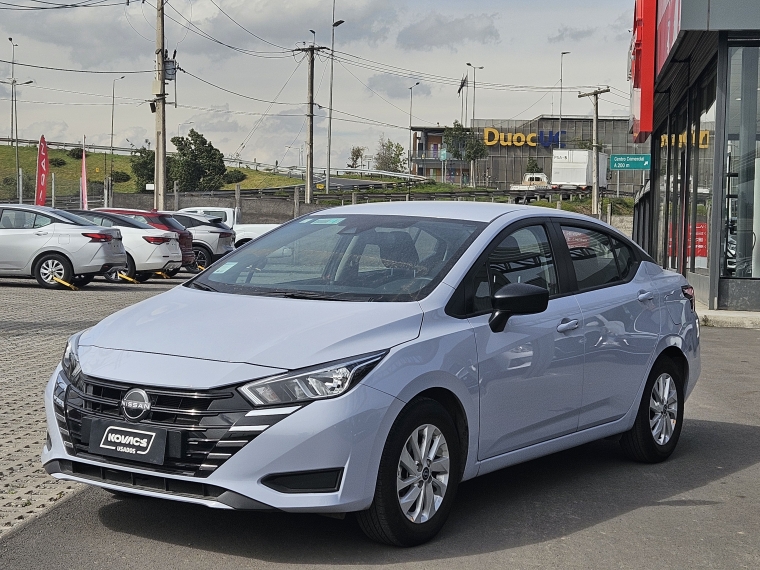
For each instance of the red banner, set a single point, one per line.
(668, 26)
(83, 189)
(43, 167)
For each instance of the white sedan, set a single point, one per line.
(148, 249)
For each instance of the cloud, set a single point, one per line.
(396, 87)
(620, 29)
(53, 131)
(566, 33)
(437, 31)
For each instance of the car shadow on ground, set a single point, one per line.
(541, 500)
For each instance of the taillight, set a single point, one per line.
(98, 238)
(156, 240)
(688, 292)
(225, 234)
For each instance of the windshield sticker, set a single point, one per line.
(306, 221)
(330, 221)
(226, 267)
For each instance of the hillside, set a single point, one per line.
(67, 176)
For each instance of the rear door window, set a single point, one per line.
(592, 258)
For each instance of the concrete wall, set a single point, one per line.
(623, 223)
(252, 210)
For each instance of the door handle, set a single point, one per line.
(566, 326)
(646, 296)
(40, 233)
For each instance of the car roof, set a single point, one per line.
(31, 207)
(455, 210)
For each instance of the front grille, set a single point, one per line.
(197, 423)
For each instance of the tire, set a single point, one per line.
(50, 265)
(203, 258)
(143, 276)
(654, 435)
(386, 520)
(172, 272)
(82, 280)
(113, 277)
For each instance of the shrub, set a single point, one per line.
(234, 176)
(57, 162)
(120, 176)
(75, 152)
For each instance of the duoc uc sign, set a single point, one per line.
(493, 137)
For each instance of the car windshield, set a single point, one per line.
(354, 257)
(70, 218)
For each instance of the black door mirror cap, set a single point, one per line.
(517, 299)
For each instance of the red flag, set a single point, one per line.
(83, 189)
(40, 195)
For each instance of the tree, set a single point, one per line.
(355, 156)
(464, 144)
(532, 166)
(143, 163)
(197, 166)
(389, 156)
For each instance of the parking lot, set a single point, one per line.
(583, 508)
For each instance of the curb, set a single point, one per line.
(728, 319)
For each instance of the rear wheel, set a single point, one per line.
(142, 277)
(113, 275)
(418, 477)
(202, 259)
(172, 272)
(657, 428)
(50, 267)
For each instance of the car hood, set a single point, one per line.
(269, 332)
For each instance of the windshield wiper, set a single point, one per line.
(304, 295)
(202, 287)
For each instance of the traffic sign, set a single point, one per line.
(443, 155)
(630, 161)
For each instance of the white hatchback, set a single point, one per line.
(56, 247)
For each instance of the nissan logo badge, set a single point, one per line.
(135, 405)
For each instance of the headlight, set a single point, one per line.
(326, 381)
(70, 360)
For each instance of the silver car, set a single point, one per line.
(212, 239)
(56, 247)
(374, 357)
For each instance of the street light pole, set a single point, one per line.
(561, 63)
(472, 123)
(113, 105)
(14, 112)
(411, 98)
(330, 110)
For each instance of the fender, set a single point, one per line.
(27, 270)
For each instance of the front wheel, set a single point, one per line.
(418, 477)
(657, 428)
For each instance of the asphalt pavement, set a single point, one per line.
(584, 508)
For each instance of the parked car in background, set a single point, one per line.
(390, 351)
(230, 216)
(50, 244)
(212, 239)
(162, 221)
(148, 249)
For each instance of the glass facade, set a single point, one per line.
(741, 255)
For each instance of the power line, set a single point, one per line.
(77, 70)
(234, 92)
(25, 8)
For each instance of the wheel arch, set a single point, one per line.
(40, 255)
(678, 358)
(452, 404)
(242, 242)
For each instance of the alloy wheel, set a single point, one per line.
(51, 268)
(423, 473)
(663, 408)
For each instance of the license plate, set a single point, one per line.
(134, 442)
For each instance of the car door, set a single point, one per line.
(22, 235)
(620, 320)
(530, 374)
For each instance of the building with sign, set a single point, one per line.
(695, 79)
(512, 143)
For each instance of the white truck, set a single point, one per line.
(573, 170)
(533, 181)
(230, 216)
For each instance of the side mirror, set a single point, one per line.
(517, 299)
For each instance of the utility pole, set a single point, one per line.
(595, 188)
(309, 189)
(561, 63)
(159, 91)
(411, 99)
(473, 181)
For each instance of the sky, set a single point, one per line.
(248, 96)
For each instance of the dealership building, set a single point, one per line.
(695, 68)
(511, 143)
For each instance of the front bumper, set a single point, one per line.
(344, 434)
